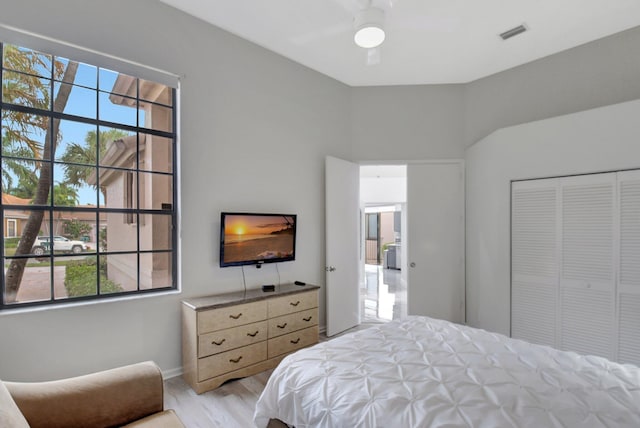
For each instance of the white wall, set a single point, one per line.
(602, 139)
(255, 129)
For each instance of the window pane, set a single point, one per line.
(117, 109)
(118, 83)
(156, 153)
(118, 188)
(74, 232)
(155, 270)
(157, 117)
(155, 190)
(117, 148)
(74, 276)
(155, 232)
(80, 278)
(68, 194)
(155, 92)
(26, 90)
(86, 75)
(26, 60)
(35, 285)
(81, 101)
(118, 272)
(23, 135)
(22, 177)
(78, 143)
(120, 233)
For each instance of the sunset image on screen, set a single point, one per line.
(258, 237)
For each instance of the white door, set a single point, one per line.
(342, 180)
(435, 240)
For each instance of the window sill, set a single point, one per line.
(59, 306)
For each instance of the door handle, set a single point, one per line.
(330, 268)
(412, 264)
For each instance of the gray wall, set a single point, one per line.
(603, 72)
(407, 122)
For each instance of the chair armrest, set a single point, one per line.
(109, 398)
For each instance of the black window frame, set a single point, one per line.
(132, 213)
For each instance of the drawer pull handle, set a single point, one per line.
(295, 342)
(307, 319)
(236, 360)
(281, 326)
(253, 335)
(218, 343)
(235, 317)
(295, 304)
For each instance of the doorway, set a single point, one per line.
(383, 195)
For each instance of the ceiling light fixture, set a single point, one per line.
(369, 28)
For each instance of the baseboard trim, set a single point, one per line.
(171, 373)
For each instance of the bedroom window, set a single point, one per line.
(88, 179)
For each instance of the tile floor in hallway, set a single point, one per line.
(384, 297)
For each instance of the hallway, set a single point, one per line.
(384, 298)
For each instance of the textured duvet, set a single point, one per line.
(421, 372)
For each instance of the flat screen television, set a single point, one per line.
(256, 238)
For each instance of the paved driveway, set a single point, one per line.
(36, 284)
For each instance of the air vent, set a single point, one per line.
(513, 32)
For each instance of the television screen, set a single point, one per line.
(247, 238)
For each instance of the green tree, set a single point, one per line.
(21, 133)
(75, 228)
(81, 157)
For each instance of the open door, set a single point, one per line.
(435, 217)
(342, 226)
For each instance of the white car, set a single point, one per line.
(60, 244)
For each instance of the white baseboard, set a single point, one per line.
(171, 373)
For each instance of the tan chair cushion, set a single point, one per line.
(105, 399)
(10, 414)
(166, 419)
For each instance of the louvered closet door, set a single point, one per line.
(587, 274)
(629, 271)
(534, 266)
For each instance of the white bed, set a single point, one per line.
(422, 372)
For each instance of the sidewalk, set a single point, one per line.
(36, 284)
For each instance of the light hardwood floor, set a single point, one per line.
(230, 405)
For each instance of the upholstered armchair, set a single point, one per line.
(129, 396)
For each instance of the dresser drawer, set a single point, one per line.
(292, 322)
(293, 341)
(292, 303)
(232, 316)
(231, 338)
(219, 364)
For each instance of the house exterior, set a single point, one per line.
(14, 220)
(140, 161)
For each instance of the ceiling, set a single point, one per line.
(428, 41)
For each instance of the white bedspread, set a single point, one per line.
(422, 372)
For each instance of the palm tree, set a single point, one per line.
(33, 92)
(82, 158)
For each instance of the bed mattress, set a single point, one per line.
(422, 372)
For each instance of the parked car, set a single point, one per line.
(60, 244)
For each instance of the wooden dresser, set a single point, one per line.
(239, 334)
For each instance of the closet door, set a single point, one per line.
(629, 271)
(534, 260)
(587, 273)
